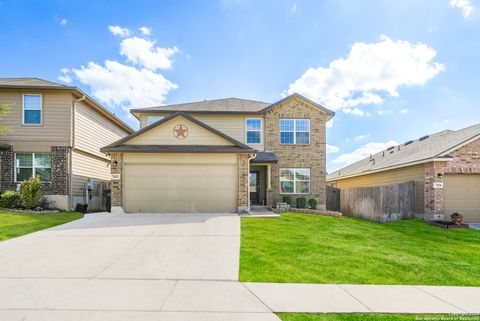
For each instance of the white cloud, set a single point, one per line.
(63, 22)
(145, 31)
(404, 111)
(332, 149)
(358, 138)
(363, 152)
(329, 124)
(143, 52)
(370, 73)
(354, 111)
(294, 7)
(64, 76)
(465, 5)
(119, 31)
(122, 85)
(134, 83)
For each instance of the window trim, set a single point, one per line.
(295, 131)
(23, 110)
(260, 130)
(295, 181)
(33, 165)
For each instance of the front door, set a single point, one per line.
(254, 188)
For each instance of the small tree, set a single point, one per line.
(4, 111)
(31, 192)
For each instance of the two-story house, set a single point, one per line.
(55, 132)
(221, 156)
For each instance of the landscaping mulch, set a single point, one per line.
(448, 224)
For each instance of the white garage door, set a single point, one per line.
(180, 188)
(462, 195)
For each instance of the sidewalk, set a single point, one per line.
(340, 298)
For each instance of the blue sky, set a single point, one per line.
(392, 70)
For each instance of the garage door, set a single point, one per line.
(180, 188)
(462, 194)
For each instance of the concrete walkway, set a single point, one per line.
(175, 267)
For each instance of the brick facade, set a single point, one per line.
(466, 160)
(117, 185)
(297, 156)
(59, 178)
(243, 182)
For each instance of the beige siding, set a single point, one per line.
(231, 125)
(462, 196)
(56, 121)
(86, 166)
(163, 135)
(400, 175)
(93, 131)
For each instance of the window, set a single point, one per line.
(295, 181)
(294, 131)
(152, 119)
(254, 130)
(32, 164)
(32, 109)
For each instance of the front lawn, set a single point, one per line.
(300, 248)
(366, 317)
(14, 224)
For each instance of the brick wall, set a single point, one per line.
(243, 177)
(59, 179)
(117, 185)
(466, 160)
(297, 156)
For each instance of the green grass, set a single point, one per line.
(364, 317)
(317, 249)
(14, 224)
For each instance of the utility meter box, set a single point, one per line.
(90, 184)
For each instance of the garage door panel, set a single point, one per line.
(180, 188)
(462, 194)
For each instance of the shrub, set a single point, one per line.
(9, 199)
(287, 199)
(313, 202)
(301, 202)
(31, 192)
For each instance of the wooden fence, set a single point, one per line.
(333, 199)
(381, 203)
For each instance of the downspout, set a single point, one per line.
(72, 143)
(250, 157)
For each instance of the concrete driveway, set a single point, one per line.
(129, 267)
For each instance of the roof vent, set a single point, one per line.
(408, 143)
(383, 154)
(391, 147)
(398, 147)
(423, 138)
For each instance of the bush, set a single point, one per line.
(9, 199)
(287, 199)
(31, 192)
(313, 202)
(301, 202)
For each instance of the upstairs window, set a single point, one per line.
(254, 130)
(295, 131)
(31, 165)
(32, 109)
(153, 119)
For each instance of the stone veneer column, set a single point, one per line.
(434, 207)
(7, 169)
(117, 185)
(243, 177)
(59, 178)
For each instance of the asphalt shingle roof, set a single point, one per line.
(29, 82)
(424, 148)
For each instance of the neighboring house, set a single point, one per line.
(55, 132)
(221, 156)
(445, 167)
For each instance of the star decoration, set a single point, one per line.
(180, 131)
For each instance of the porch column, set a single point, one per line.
(243, 184)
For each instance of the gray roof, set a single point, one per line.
(426, 148)
(265, 157)
(30, 83)
(227, 105)
(232, 105)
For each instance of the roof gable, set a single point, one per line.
(162, 133)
